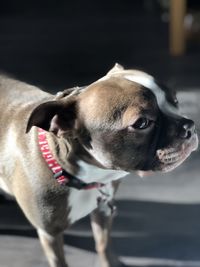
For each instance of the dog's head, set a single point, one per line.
(124, 121)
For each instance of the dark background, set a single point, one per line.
(58, 44)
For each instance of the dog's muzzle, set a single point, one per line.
(165, 157)
(186, 141)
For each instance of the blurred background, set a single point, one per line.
(59, 44)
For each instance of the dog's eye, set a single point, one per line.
(142, 123)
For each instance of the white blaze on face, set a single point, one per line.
(148, 82)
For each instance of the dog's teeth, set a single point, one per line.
(160, 153)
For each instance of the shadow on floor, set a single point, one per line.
(141, 229)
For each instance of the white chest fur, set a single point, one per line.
(83, 202)
(90, 173)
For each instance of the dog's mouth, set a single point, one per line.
(168, 159)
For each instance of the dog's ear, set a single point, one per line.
(54, 116)
(117, 67)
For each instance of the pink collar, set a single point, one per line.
(61, 175)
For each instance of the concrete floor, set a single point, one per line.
(158, 222)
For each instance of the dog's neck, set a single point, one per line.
(71, 155)
(62, 150)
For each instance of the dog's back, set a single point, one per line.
(17, 99)
(16, 95)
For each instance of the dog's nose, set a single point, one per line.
(187, 129)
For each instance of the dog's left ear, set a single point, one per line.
(54, 116)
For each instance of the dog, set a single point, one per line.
(62, 156)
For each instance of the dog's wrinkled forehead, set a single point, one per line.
(148, 82)
(115, 100)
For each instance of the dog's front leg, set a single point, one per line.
(101, 223)
(53, 247)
